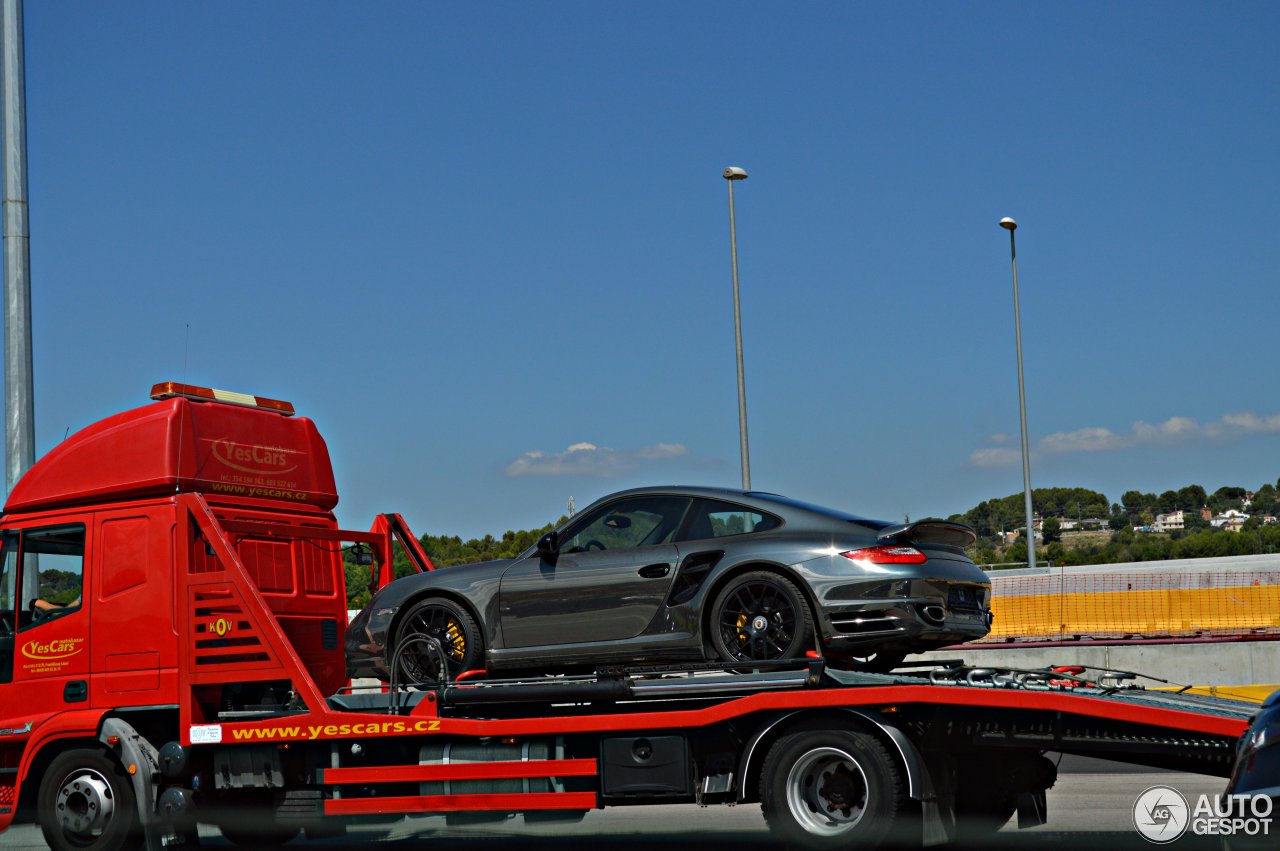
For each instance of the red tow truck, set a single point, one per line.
(172, 610)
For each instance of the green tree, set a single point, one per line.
(1051, 530)
(1136, 502)
(1225, 498)
(1192, 498)
(1193, 520)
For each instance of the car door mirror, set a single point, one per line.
(549, 546)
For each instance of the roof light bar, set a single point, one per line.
(174, 389)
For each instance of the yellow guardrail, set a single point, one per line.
(1032, 608)
(1250, 693)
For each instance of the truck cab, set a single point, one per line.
(105, 546)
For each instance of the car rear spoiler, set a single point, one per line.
(929, 531)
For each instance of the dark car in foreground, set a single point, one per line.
(674, 574)
(1256, 774)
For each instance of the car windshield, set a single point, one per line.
(833, 513)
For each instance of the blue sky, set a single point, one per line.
(466, 237)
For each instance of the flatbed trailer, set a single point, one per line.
(240, 715)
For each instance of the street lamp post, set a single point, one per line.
(731, 175)
(1010, 225)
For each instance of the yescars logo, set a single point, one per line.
(251, 458)
(48, 651)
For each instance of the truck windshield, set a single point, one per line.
(8, 607)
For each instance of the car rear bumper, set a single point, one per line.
(919, 615)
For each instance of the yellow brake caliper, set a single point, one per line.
(742, 622)
(457, 641)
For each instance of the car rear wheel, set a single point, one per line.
(759, 617)
(461, 648)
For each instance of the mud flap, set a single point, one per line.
(1033, 809)
(143, 764)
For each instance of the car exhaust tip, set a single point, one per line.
(935, 613)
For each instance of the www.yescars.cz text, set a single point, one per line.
(316, 731)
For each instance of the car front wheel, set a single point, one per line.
(760, 617)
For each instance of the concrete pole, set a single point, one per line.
(19, 392)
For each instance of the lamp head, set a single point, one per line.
(1008, 224)
(735, 173)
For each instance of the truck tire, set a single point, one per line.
(759, 617)
(831, 789)
(880, 662)
(86, 803)
(259, 835)
(981, 811)
(448, 623)
(251, 820)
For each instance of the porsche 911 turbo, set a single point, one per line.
(678, 574)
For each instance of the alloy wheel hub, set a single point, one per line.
(85, 804)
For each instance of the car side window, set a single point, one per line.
(635, 522)
(716, 519)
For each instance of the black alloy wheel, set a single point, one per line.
(415, 657)
(760, 617)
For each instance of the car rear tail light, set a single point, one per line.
(887, 555)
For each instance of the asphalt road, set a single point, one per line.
(1090, 807)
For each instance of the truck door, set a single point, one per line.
(51, 642)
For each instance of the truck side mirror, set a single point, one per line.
(549, 546)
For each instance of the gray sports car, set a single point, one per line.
(672, 574)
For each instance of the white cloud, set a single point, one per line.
(1083, 440)
(588, 459)
(993, 458)
(1101, 439)
(1174, 428)
(1251, 423)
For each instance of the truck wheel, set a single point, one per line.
(829, 789)
(758, 617)
(258, 835)
(881, 662)
(980, 811)
(87, 803)
(448, 623)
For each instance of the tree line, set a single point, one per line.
(1198, 539)
(445, 551)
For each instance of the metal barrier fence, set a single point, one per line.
(1135, 605)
